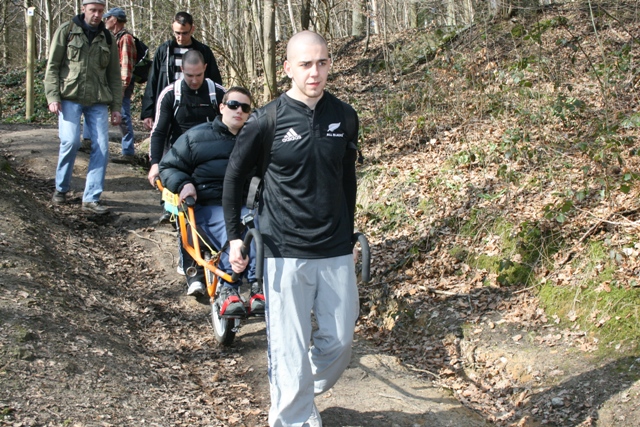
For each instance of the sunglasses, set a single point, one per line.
(233, 105)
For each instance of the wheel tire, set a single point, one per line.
(223, 329)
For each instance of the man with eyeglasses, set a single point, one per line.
(198, 103)
(195, 167)
(167, 64)
(83, 77)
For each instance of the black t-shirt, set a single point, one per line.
(308, 199)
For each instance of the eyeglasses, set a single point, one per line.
(233, 105)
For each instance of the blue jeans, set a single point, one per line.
(210, 220)
(126, 127)
(97, 119)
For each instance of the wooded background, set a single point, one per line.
(243, 33)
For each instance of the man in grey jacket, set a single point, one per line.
(83, 55)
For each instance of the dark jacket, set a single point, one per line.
(195, 108)
(199, 157)
(308, 200)
(163, 72)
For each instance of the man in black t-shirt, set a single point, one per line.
(306, 214)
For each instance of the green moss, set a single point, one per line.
(513, 273)
(610, 313)
(460, 254)
(522, 248)
(601, 306)
(5, 166)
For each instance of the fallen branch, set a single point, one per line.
(413, 368)
(144, 238)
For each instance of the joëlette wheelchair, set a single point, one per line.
(207, 256)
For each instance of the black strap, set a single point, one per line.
(267, 132)
(253, 196)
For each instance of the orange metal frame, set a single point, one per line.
(193, 248)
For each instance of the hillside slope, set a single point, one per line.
(500, 191)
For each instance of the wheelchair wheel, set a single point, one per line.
(223, 329)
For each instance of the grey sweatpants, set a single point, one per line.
(298, 370)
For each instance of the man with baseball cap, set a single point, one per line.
(114, 21)
(83, 77)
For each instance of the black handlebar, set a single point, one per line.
(366, 255)
(190, 201)
(252, 234)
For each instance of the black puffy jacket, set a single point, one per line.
(200, 157)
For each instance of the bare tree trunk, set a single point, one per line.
(45, 39)
(277, 26)
(412, 11)
(375, 17)
(270, 88)
(358, 18)
(451, 13)
(249, 58)
(151, 26)
(132, 18)
(305, 14)
(255, 9)
(469, 12)
(292, 18)
(5, 41)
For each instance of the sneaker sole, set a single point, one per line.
(89, 210)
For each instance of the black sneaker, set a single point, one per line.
(59, 198)
(126, 159)
(229, 302)
(95, 207)
(257, 301)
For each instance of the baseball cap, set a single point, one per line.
(102, 2)
(117, 12)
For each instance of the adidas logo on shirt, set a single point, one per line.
(291, 136)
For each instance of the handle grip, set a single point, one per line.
(189, 202)
(252, 234)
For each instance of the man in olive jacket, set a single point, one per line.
(83, 77)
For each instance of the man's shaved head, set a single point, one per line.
(307, 66)
(305, 38)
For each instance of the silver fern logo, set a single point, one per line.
(332, 128)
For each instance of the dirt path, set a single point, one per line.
(96, 329)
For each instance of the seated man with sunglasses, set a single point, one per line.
(195, 166)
